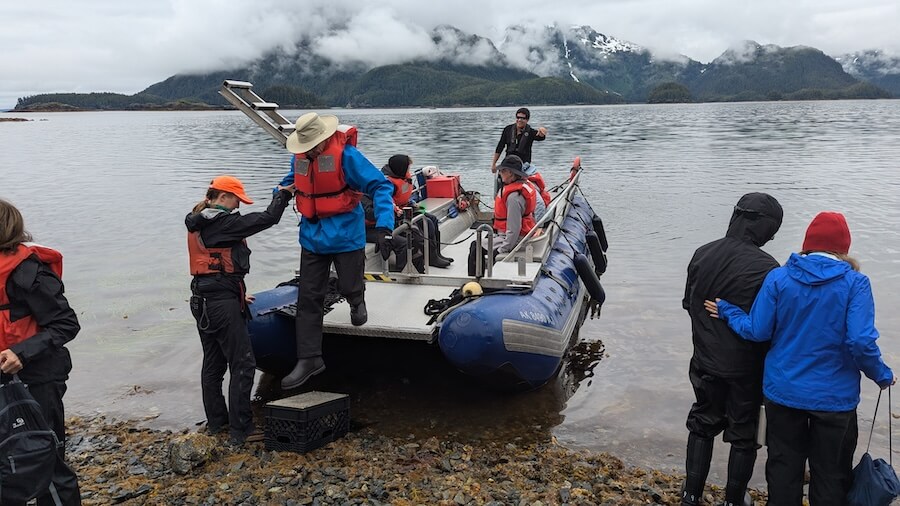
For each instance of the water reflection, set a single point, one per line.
(400, 388)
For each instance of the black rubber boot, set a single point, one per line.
(400, 262)
(699, 454)
(436, 260)
(740, 470)
(306, 368)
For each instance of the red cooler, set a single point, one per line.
(445, 186)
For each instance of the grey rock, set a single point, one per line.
(190, 451)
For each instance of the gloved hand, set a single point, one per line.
(383, 242)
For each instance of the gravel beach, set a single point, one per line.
(121, 462)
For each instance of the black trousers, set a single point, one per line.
(826, 438)
(725, 404)
(314, 272)
(226, 346)
(65, 482)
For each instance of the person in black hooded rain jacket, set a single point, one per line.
(725, 370)
(220, 259)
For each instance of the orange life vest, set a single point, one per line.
(538, 180)
(500, 211)
(14, 332)
(322, 190)
(205, 260)
(403, 190)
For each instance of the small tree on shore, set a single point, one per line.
(670, 93)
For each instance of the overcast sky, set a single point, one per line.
(122, 46)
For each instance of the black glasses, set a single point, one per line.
(521, 117)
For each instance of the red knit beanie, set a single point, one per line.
(829, 232)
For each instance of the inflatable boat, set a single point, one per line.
(510, 324)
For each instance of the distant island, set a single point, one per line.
(579, 66)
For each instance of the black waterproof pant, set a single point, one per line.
(826, 438)
(725, 404)
(314, 273)
(65, 482)
(226, 346)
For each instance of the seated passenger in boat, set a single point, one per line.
(514, 205)
(397, 172)
(537, 180)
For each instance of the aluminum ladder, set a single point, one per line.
(265, 114)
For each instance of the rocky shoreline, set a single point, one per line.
(122, 462)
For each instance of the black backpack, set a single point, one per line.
(28, 448)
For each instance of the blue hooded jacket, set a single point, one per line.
(819, 315)
(347, 232)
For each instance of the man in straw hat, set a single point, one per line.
(329, 174)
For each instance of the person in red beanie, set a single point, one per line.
(819, 315)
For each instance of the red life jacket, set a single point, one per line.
(538, 181)
(500, 210)
(205, 260)
(14, 332)
(322, 190)
(403, 189)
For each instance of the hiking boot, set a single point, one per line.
(306, 368)
(240, 440)
(212, 430)
(358, 314)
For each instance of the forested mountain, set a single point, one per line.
(554, 66)
(875, 67)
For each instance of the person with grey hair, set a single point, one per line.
(514, 204)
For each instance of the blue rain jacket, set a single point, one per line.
(347, 232)
(819, 315)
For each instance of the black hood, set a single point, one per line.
(756, 218)
(198, 221)
(397, 166)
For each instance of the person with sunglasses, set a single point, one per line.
(726, 371)
(517, 138)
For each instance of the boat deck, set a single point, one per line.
(396, 301)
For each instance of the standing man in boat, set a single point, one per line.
(725, 370)
(517, 138)
(329, 174)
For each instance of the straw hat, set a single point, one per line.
(309, 131)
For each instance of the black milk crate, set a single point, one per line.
(307, 421)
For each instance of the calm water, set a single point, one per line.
(111, 190)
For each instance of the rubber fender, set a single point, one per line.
(589, 277)
(601, 233)
(472, 289)
(597, 254)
